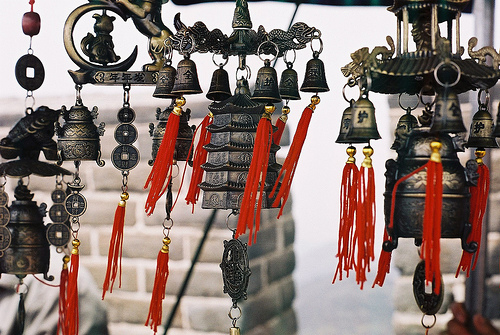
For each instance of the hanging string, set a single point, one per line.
(62, 326)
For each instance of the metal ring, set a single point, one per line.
(221, 65)
(294, 56)
(234, 212)
(343, 92)
(126, 95)
(167, 227)
(486, 97)
(230, 313)
(453, 64)
(29, 97)
(275, 47)
(320, 44)
(406, 108)
(22, 288)
(177, 174)
(420, 96)
(249, 72)
(428, 326)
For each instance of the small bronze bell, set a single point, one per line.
(28, 252)
(481, 130)
(363, 126)
(266, 85)
(403, 130)
(219, 86)
(186, 79)
(315, 77)
(78, 139)
(289, 84)
(345, 125)
(447, 113)
(165, 82)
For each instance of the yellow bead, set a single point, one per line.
(124, 196)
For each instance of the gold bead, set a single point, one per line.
(180, 101)
(351, 151)
(435, 147)
(368, 152)
(124, 196)
(315, 100)
(269, 110)
(75, 243)
(285, 110)
(166, 240)
(65, 259)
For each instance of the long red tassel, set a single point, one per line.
(199, 158)
(63, 297)
(291, 160)
(364, 234)
(478, 201)
(115, 248)
(72, 320)
(256, 179)
(431, 235)
(161, 173)
(348, 203)
(160, 283)
(280, 124)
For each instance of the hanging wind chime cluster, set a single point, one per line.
(235, 149)
(428, 195)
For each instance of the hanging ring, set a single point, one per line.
(294, 56)
(365, 85)
(442, 65)
(222, 64)
(428, 104)
(21, 288)
(430, 325)
(236, 317)
(486, 98)
(408, 107)
(234, 212)
(126, 95)
(343, 90)
(177, 172)
(275, 48)
(166, 226)
(320, 45)
(189, 51)
(248, 72)
(29, 102)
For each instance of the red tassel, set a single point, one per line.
(291, 160)
(199, 158)
(364, 234)
(115, 248)
(72, 321)
(63, 295)
(431, 235)
(160, 283)
(256, 179)
(280, 124)
(478, 201)
(161, 173)
(347, 215)
(384, 263)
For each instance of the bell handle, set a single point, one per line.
(442, 65)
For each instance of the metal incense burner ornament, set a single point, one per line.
(428, 195)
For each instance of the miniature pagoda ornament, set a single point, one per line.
(429, 195)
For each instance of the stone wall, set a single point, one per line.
(204, 308)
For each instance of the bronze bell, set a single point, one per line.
(345, 125)
(447, 113)
(406, 124)
(266, 85)
(315, 77)
(184, 136)
(289, 84)
(78, 139)
(363, 126)
(481, 130)
(28, 252)
(165, 82)
(186, 78)
(219, 86)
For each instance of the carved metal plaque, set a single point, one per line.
(235, 269)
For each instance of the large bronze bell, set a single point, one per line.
(219, 86)
(28, 252)
(481, 130)
(165, 82)
(289, 84)
(186, 79)
(79, 138)
(315, 77)
(363, 126)
(447, 113)
(184, 137)
(266, 85)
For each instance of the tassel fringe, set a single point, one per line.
(72, 322)
(280, 124)
(63, 297)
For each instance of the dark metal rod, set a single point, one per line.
(185, 283)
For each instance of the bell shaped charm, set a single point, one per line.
(266, 85)
(186, 79)
(406, 124)
(165, 82)
(219, 86)
(363, 125)
(481, 130)
(447, 113)
(315, 77)
(289, 84)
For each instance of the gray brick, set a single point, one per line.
(209, 316)
(174, 281)
(492, 293)
(98, 271)
(212, 248)
(284, 324)
(493, 254)
(266, 243)
(493, 212)
(281, 265)
(289, 230)
(101, 210)
(255, 280)
(261, 308)
(85, 242)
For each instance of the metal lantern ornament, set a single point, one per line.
(428, 195)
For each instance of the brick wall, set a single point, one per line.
(204, 308)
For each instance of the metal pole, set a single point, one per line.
(475, 285)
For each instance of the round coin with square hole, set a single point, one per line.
(126, 115)
(58, 213)
(75, 204)
(58, 196)
(4, 216)
(58, 234)
(125, 157)
(126, 134)
(5, 238)
(4, 198)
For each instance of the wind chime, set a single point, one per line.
(428, 195)
(237, 142)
